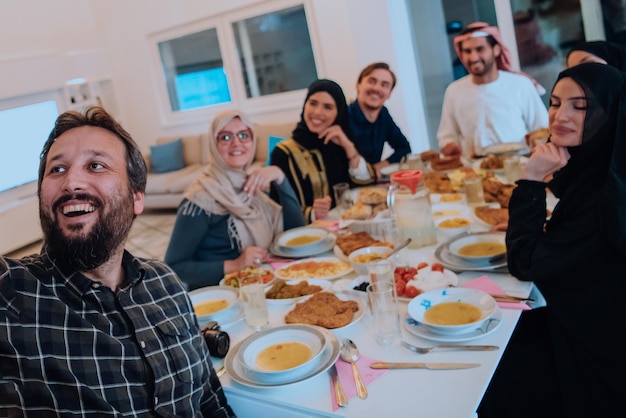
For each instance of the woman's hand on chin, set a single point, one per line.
(545, 160)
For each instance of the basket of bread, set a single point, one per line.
(369, 213)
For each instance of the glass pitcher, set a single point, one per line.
(409, 203)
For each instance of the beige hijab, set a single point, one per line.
(219, 191)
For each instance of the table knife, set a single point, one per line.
(431, 366)
(340, 396)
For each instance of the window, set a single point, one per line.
(29, 126)
(194, 71)
(275, 52)
(252, 58)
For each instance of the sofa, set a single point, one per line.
(166, 185)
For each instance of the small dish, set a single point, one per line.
(277, 368)
(324, 284)
(453, 225)
(443, 210)
(363, 256)
(423, 331)
(421, 304)
(327, 268)
(301, 239)
(216, 294)
(478, 248)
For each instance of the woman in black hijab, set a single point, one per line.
(598, 51)
(566, 359)
(321, 154)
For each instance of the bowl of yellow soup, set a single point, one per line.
(483, 247)
(453, 310)
(282, 353)
(302, 239)
(363, 256)
(453, 225)
(215, 303)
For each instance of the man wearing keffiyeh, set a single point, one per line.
(492, 104)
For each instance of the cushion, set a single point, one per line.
(271, 144)
(167, 157)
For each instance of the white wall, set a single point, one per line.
(53, 42)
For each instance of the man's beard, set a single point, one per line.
(92, 249)
(487, 67)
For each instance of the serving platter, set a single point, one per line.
(422, 331)
(236, 370)
(356, 317)
(348, 268)
(505, 148)
(324, 284)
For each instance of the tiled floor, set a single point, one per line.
(148, 237)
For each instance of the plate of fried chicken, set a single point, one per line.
(327, 310)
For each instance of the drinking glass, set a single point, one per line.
(512, 169)
(385, 314)
(252, 296)
(343, 199)
(473, 187)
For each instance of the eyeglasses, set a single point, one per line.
(227, 137)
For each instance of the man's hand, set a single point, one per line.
(451, 149)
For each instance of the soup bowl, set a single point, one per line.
(453, 225)
(223, 298)
(363, 256)
(283, 353)
(478, 247)
(301, 239)
(460, 310)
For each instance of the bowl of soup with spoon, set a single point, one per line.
(452, 310)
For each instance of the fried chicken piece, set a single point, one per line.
(373, 195)
(351, 242)
(323, 309)
(282, 290)
(504, 194)
(492, 216)
(438, 182)
(492, 162)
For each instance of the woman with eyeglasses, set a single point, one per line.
(320, 153)
(226, 221)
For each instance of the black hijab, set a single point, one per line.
(595, 175)
(302, 134)
(614, 54)
(334, 156)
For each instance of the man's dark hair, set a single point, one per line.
(376, 66)
(98, 117)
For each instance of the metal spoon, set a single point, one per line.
(395, 250)
(349, 353)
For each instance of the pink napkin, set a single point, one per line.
(344, 371)
(485, 284)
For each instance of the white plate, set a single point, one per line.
(441, 210)
(223, 281)
(356, 317)
(440, 198)
(324, 284)
(226, 293)
(504, 148)
(478, 169)
(326, 245)
(455, 264)
(449, 279)
(347, 270)
(422, 303)
(329, 357)
(422, 331)
(455, 244)
(290, 234)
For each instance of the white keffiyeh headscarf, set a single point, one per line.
(219, 191)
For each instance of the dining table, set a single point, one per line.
(391, 392)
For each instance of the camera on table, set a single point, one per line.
(217, 341)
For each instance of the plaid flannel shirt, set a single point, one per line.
(70, 346)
